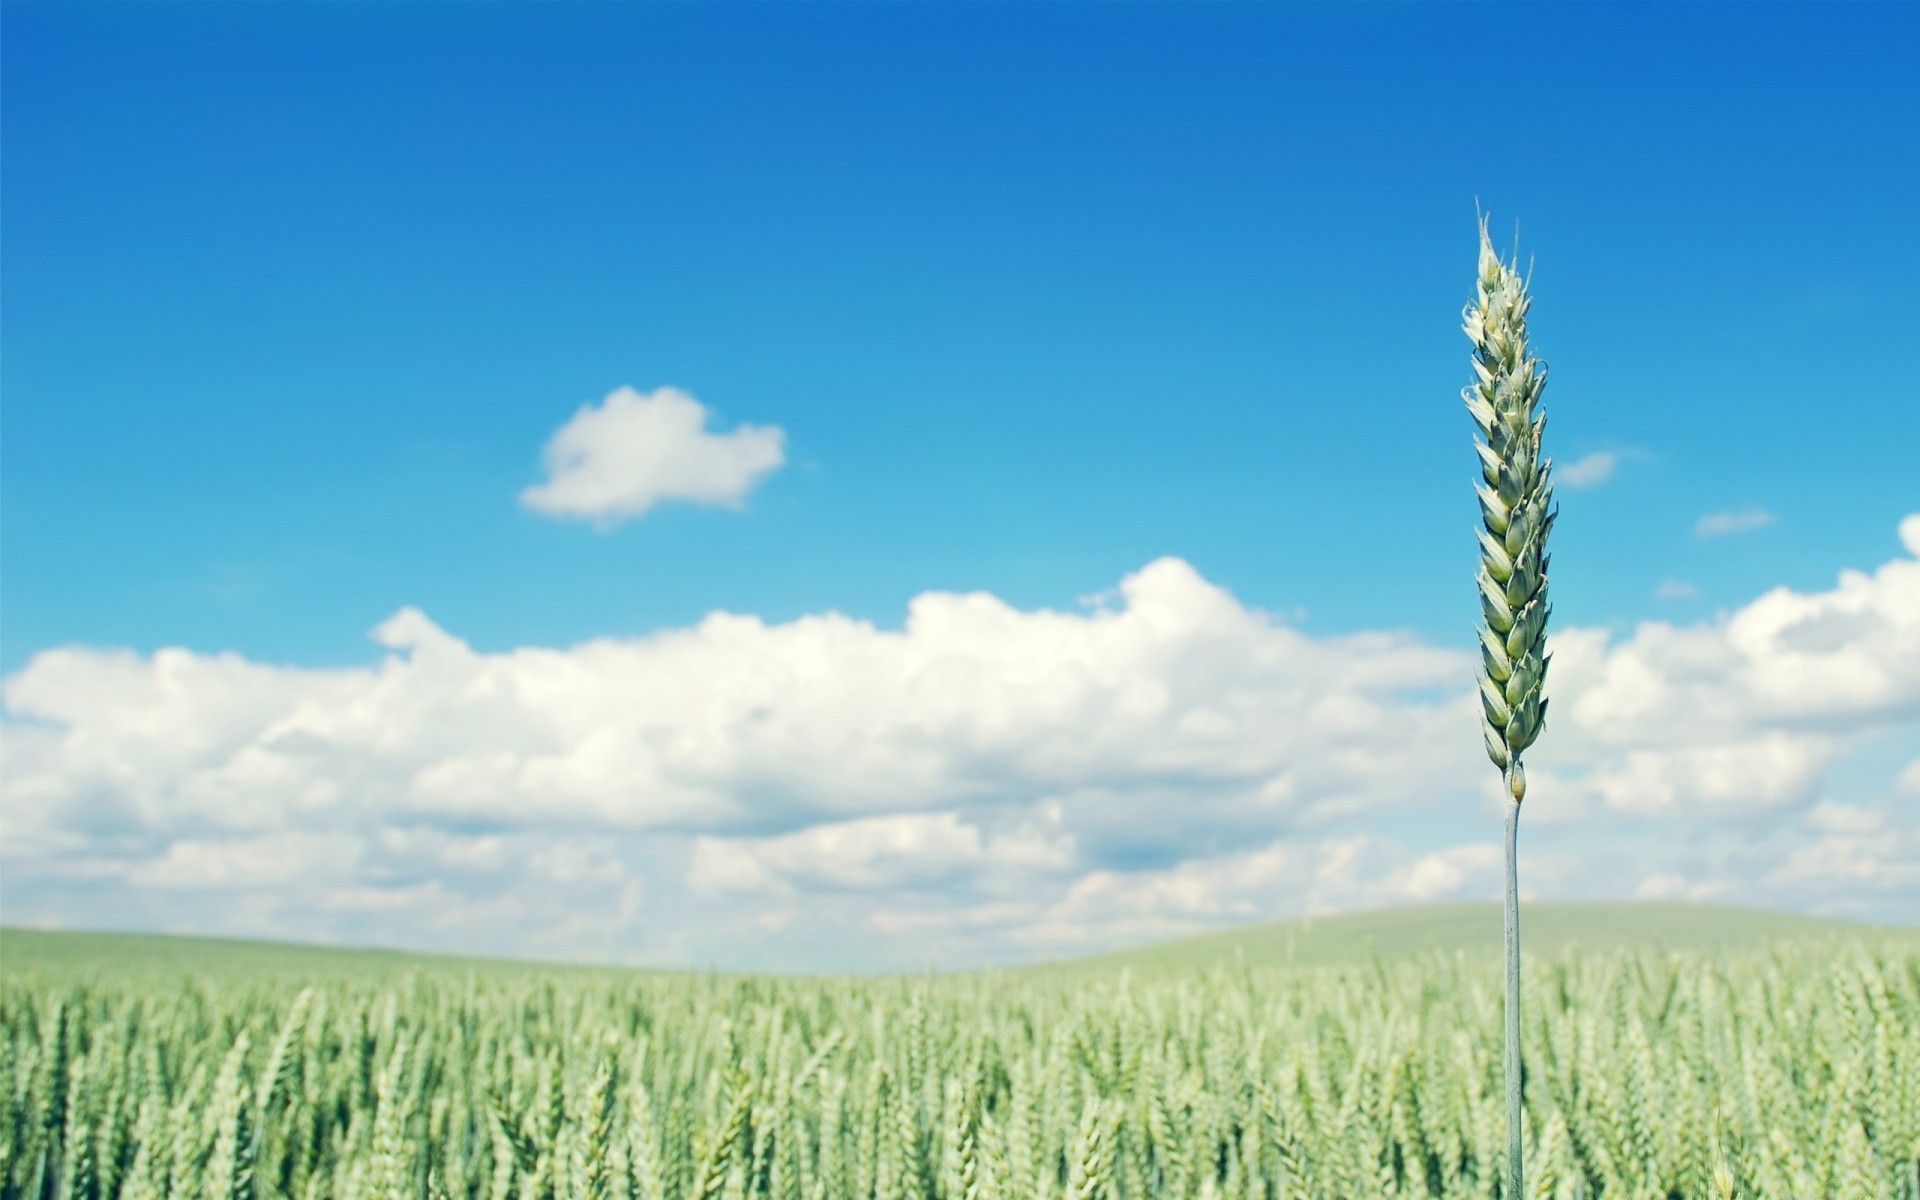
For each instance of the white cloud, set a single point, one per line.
(633, 450)
(1910, 779)
(1293, 876)
(1853, 853)
(985, 778)
(1594, 469)
(1746, 713)
(249, 862)
(1665, 885)
(1445, 875)
(907, 851)
(1721, 523)
(1773, 771)
(543, 895)
(1676, 589)
(869, 854)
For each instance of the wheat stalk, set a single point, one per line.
(1515, 494)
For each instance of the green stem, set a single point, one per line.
(1514, 1174)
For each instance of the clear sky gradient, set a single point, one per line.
(295, 296)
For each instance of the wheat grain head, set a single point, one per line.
(1516, 495)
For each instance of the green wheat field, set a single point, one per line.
(1672, 1051)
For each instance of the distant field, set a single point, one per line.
(1474, 929)
(1391, 934)
(68, 953)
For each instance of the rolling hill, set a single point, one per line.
(1475, 928)
(1471, 929)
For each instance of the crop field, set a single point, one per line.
(1782, 1069)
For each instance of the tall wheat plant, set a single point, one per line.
(1514, 497)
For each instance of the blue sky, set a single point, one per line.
(296, 296)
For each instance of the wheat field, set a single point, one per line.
(1791, 1072)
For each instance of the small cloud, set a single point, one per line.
(1445, 874)
(1676, 589)
(774, 920)
(1717, 524)
(633, 450)
(268, 860)
(1668, 885)
(1910, 779)
(411, 629)
(1830, 817)
(1595, 468)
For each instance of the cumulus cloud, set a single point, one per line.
(902, 852)
(1841, 859)
(1852, 849)
(619, 458)
(1747, 713)
(1720, 524)
(989, 779)
(1105, 907)
(1590, 471)
(735, 724)
(248, 863)
(1308, 876)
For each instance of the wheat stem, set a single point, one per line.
(1515, 1174)
(1515, 495)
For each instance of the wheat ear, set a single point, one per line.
(1515, 498)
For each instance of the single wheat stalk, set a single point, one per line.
(1515, 494)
